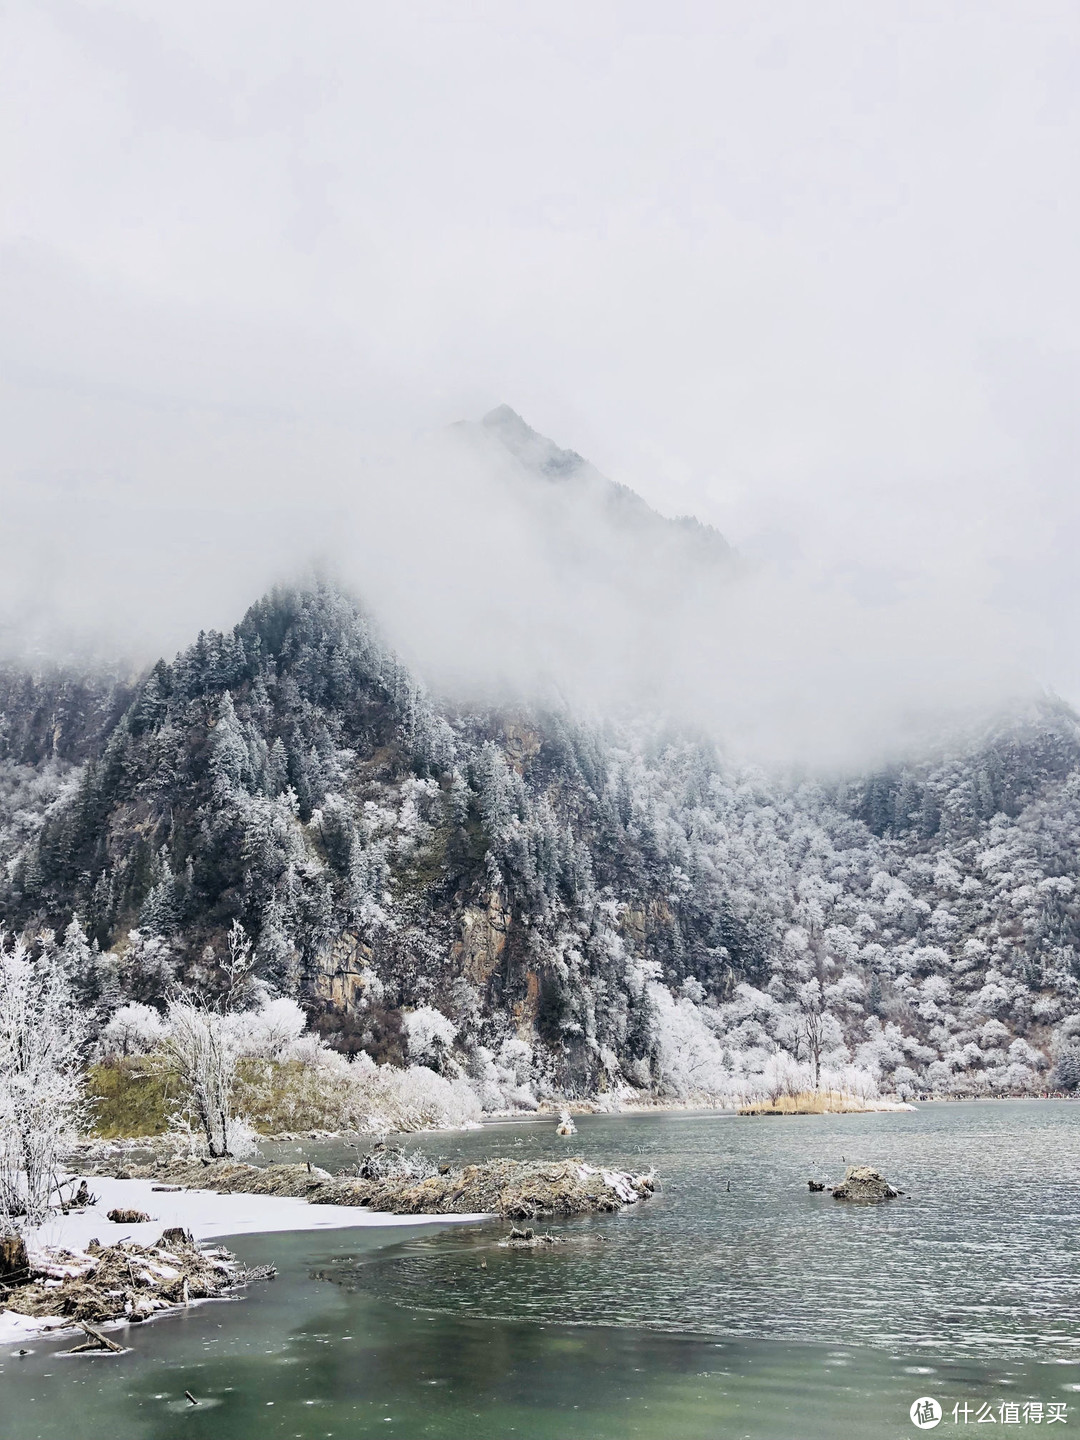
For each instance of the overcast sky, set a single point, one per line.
(808, 271)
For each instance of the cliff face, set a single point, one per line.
(588, 909)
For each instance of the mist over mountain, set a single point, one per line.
(587, 496)
(506, 569)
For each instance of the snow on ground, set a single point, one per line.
(206, 1214)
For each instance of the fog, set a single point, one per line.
(805, 274)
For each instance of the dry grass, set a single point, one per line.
(287, 1095)
(130, 1096)
(807, 1102)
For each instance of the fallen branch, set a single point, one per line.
(98, 1341)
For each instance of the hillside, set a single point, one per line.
(573, 910)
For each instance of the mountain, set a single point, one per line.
(622, 508)
(591, 907)
(596, 537)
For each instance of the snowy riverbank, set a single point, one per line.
(205, 1213)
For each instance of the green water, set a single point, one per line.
(756, 1311)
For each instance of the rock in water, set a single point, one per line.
(862, 1182)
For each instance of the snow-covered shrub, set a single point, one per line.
(133, 1030)
(500, 1080)
(430, 1034)
(417, 1099)
(316, 1088)
(271, 1031)
(241, 1137)
(394, 1162)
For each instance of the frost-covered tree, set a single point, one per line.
(1066, 1072)
(430, 1035)
(203, 1046)
(271, 1032)
(42, 1029)
(133, 1030)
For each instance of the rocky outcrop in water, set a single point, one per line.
(864, 1184)
(529, 1240)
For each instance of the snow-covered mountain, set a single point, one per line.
(615, 512)
(588, 907)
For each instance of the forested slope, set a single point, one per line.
(573, 909)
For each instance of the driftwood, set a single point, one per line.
(126, 1280)
(95, 1341)
(14, 1264)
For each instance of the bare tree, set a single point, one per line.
(241, 986)
(42, 1030)
(201, 1043)
(812, 1024)
(204, 1043)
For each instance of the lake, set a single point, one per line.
(734, 1303)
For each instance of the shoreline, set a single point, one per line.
(90, 1147)
(207, 1214)
(135, 1216)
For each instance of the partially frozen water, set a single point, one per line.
(759, 1311)
(980, 1256)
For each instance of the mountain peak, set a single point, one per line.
(530, 447)
(625, 508)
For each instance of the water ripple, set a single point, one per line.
(979, 1256)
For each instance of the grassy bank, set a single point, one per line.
(130, 1096)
